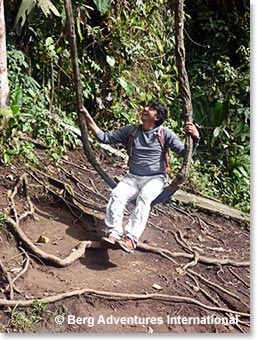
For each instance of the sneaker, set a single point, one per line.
(109, 242)
(126, 244)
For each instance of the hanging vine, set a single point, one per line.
(79, 98)
(187, 109)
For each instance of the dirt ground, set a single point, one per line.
(162, 293)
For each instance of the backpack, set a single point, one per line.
(161, 139)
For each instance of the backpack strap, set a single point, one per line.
(164, 149)
(131, 141)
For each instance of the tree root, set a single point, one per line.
(82, 246)
(215, 285)
(120, 296)
(202, 259)
(26, 266)
(55, 260)
(8, 278)
(72, 200)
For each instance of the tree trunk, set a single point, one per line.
(4, 87)
(79, 97)
(187, 110)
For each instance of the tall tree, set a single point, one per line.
(4, 87)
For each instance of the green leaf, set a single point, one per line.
(7, 158)
(49, 41)
(218, 106)
(124, 84)
(102, 5)
(159, 44)
(177, 87)
(15, 108)
(14, 151)
(79, 29)
(5, 112)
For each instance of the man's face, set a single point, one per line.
(149, 114)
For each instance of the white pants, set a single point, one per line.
(145, 189)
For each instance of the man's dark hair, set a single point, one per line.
(161, 109)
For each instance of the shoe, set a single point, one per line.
(126, 244)
(109, 242)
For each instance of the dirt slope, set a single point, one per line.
(162, 293)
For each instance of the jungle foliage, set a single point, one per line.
(126, 56)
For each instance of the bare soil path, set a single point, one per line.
(147, 291)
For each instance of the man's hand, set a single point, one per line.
(85, 112)
(90, 121)
(192, 130)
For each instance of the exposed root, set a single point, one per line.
(8, 278)
(202, 259)
(55, 260)
(120, 296)
(76, 203)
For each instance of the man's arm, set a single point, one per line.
(176, 145)
(90, 122)
(108, 137)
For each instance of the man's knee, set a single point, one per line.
(144, 198)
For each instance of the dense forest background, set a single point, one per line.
(126, 56)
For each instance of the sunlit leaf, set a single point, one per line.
(24, 10)
(7, 158)
(47, 7)
(110, 60)
(102, 5)
(27, 6)
(216, 131)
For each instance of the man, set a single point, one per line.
(146, 177)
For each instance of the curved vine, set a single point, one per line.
(79, 98)
(187, 109)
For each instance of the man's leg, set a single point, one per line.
(120, 195)
(138, 220)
